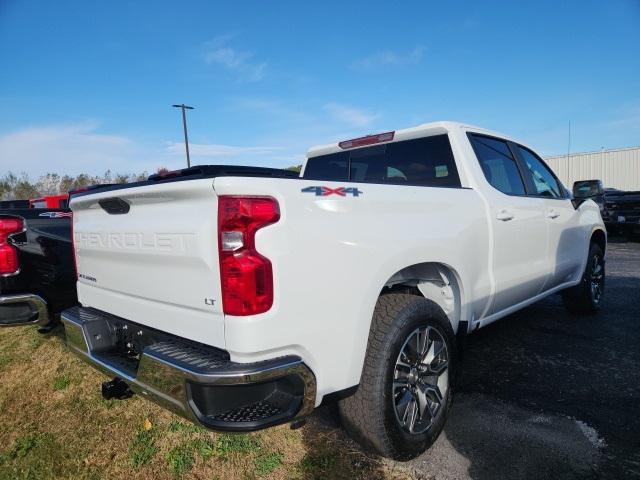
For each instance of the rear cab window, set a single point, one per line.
(426, 161)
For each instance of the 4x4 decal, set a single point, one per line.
(326, 191)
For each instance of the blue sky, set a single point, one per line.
(87, 85)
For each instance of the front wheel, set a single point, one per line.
(405, 391)
(586, 297)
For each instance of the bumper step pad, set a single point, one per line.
(189, 357)
(249, 413)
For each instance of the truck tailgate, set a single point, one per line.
(155, 264)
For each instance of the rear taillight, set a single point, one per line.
(246, 276)
(8, 254)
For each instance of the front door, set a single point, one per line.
(520, 243)
(567, 243)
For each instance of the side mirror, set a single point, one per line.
(584, 189)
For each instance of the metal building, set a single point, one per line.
(618, 168)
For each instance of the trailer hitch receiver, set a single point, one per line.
(116, 388)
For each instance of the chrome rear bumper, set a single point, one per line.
(195, 381)
(23, 309)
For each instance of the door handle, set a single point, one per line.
(504, 216)
(552, 214)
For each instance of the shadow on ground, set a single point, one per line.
(332, 455)
(546, 394)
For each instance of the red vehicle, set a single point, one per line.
(50, 201)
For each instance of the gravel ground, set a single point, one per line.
(546, 394)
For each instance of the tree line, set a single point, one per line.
(23, 187)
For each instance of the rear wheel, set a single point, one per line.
(586, 297)
(405, 392)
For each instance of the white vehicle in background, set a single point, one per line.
(242, 297)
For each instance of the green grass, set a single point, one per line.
(5, 360)
(36, 341)
(178, 426)
(30, 458)
(61, 383)
(142, 448)
(107, 404)
(239, 443)
(47, 436)
(204, 447)
(265, 464)
(180, 458)
(8, 354)
(317, 463)
(23, 446)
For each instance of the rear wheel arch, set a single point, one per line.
(434, 281)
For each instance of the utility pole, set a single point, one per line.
(569, 142)
(184, 126)
(568, 148)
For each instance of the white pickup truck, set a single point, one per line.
(242, 298)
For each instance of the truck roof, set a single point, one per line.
(426, 129)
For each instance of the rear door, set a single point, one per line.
(150, 254)
(567, 243)
(520, 231)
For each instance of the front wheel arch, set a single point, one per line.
(599, 237)
(581, 298)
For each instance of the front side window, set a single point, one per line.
(544, 183)
(499, 167)
(424, 161)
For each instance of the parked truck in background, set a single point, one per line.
(590, 190)
(620, 209)
(37, 277)
(242, 298)
(13, 204)
(50, 201)
(37, 274)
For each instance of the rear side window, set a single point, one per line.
(497, 162)
(425, 162)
